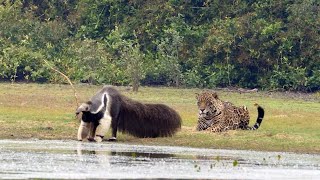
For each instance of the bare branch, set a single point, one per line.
(67, 78)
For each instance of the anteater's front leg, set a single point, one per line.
(92, 133)
(83, 130)
(114, 126)
(102, 128)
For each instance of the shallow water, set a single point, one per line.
(21, 159)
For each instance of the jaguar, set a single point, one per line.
(216, 115)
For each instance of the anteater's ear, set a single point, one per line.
(84, 107)
(214, 95)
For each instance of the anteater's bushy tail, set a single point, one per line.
(147, 120)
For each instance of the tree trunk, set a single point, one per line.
(135, 83)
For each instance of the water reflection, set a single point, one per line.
(101, 157)
(142, 155)
(71, 159)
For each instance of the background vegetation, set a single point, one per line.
(263, 44)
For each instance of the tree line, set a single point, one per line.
(264, 44)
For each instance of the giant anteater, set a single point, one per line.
(109, 108)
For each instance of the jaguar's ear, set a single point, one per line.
(197, 95)
(214, 95)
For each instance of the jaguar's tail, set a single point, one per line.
(259, 118)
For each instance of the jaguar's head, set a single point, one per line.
(206, 102)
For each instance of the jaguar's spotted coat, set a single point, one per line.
(216, 115)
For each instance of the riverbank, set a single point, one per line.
(46, 111)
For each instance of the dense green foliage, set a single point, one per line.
(264, 44)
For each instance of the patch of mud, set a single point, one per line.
(284, 136)
(276, 94)
(281, 116)
(295, 95)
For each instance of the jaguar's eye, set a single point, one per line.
(209, 103)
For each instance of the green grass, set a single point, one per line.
(46, 111)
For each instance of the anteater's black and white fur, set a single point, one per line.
(109, 108)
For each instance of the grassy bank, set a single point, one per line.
(292, 121)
